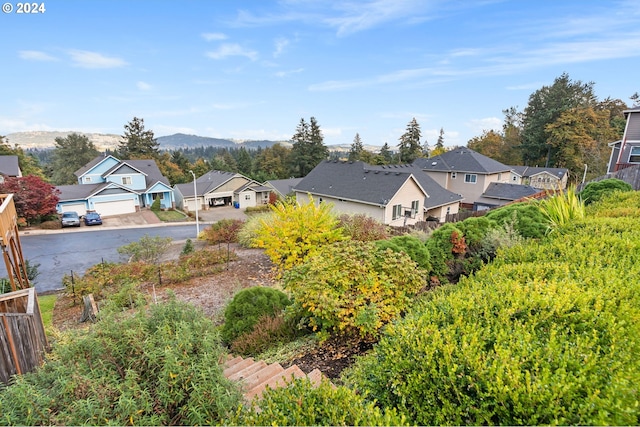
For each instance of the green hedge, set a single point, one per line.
(547, 334)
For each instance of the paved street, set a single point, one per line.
(60, 252)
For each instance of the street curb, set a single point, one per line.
(36, 232)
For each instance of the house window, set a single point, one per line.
(453, 175)
(87, 179)
(500, 176)
(415, 206)
(126, 180)
(247, 196)
(514, 179)
(158, 196)
(397, 212)
(470, 178)
(634, 157)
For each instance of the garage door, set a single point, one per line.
(76, 207)
(115, 208)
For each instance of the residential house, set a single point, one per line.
(9, 167)
(394, 195)
(626, 152)
(469, 173)
(283, 187)
(500, 193)
(541, 178)
(111, 186)
(220, 188)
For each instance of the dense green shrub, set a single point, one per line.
(594, 191)
(527, 219)
(615, 205)
(187, 248)
(154, 368)
(546, 334)
(474, 230)
(410, 245)
(445, 246)
(362, 227)
(155, 206)
(351, 287)
(301, 404)
(247, 307)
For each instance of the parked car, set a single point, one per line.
(70, 219)
(92, 218)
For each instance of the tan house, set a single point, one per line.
(395, 195)
(541, 178)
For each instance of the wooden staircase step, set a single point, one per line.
(238, 366)
(249, 370)
(279, 379)
(262, 375)
(232, 361)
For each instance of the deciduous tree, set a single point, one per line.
(70, 154)
(34, 198)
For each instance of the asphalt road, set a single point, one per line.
(61, 253)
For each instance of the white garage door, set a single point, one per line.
(79, 207)
(115, 208)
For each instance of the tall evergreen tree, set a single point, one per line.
(356, 148)
(137, 143)
(409, 146)
(244, 162)
(386, 153)
(545, 106)
(308, 148)
(439, 147)
(70, 154)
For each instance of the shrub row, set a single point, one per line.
(547, 334)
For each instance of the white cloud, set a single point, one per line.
(488, 123)
(282, 74)
(214, 36)
(281, 45)
(143, 86)
(232, 49)
(36, 55)
(87, 59)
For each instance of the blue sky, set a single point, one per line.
(253, 69)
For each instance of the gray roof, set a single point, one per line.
(358, 181)
(84, 169)
(84, 191)
(9, 165)
(150, 169)
(461, 159)
(438, 196)
(283, 186)
(503, 191)
(528, 171)
(207, 182)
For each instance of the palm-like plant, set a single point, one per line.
(562, 208)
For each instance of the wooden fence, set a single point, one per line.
(22, 338)
(629, 174)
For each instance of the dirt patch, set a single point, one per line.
(212, 293)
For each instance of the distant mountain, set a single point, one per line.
(180, 140)
(46, 139)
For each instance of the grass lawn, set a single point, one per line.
(46, 309)
(169, 216)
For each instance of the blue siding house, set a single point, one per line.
(113, 187)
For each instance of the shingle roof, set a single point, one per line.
(9, 165)
(207, 182)
(84, 169)
(528, 171)
(84, 191)
(284, 186)
(461, 159)
(351, 181)
(438, 196)
(503, 191)
(150, 168)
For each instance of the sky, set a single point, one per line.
(252, 70)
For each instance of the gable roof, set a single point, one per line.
(208, 182)
(504, 191)
(529, 171)
(283, 186)
(353, 181)
(84, 191)
(9, 165)
(86, 168)
(461, 159)
(437, 195)
(151, 171)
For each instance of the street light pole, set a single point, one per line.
(195, 200)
